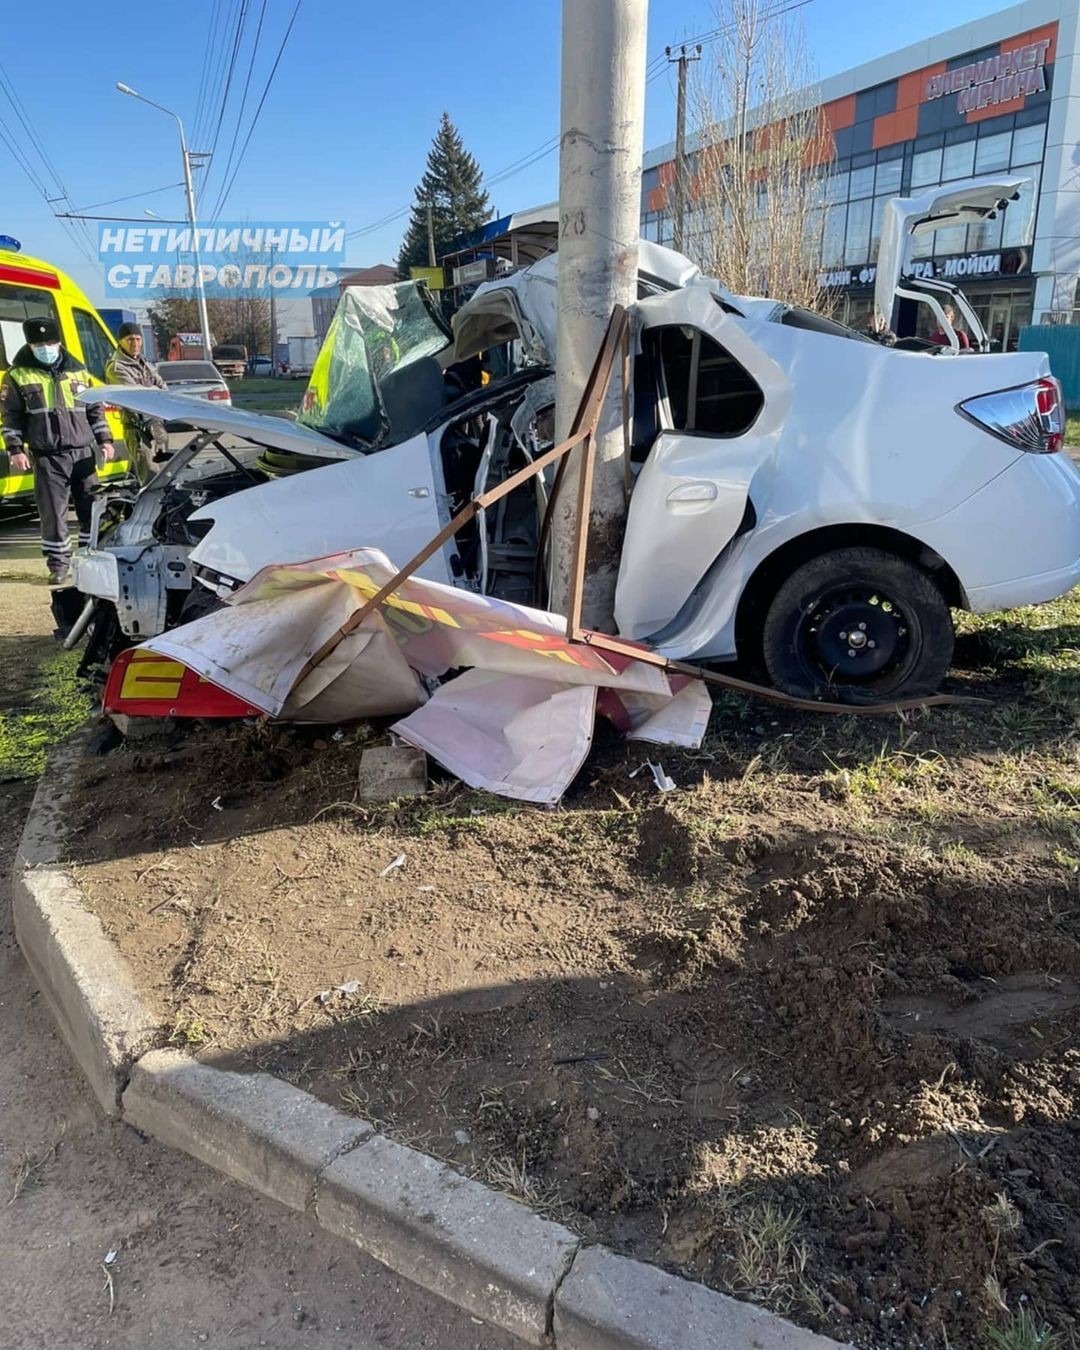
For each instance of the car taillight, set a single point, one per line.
(218, 394)
(1030, 417)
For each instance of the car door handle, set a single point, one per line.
(689, 498)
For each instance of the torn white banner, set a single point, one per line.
(518, 723)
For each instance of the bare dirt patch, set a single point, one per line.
(805, 1029)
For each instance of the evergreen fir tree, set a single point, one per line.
(451, 183)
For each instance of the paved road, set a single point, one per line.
(200, 1261)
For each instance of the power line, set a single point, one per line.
(244, 97)
(514, 167)
(219, 60)
(82, 241)
(224, 196)
(208, 47)
(653, 70)
(237, 39)
(113, 201)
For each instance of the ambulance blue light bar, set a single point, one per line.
(9, 242)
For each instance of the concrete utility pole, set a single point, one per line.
(683, 61)
(430, 236)
(273, 320)
(603, 108)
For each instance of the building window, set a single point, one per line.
(875, 228)
(992, 152)
(1027, 147)
(888, 177)
(985, 235)
(958, 161)
(836, 187)
(832, 245)
(1018, 227)
(862, 182)
(926, 168)
(952, 239)
(857, 249)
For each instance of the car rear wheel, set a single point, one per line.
(858, 625)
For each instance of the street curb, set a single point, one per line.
(85, 980)
(469, 1244)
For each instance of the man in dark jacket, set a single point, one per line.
(41, 420)
(146, 437)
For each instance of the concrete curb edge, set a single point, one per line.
(454, 1236)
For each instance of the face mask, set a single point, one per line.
(46, 353)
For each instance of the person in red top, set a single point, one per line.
(942, 338)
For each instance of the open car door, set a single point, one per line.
(909, 218)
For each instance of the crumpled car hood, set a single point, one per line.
(277, 433)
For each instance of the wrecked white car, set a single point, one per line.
(801, 495)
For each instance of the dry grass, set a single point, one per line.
(27, 1171)
(768, 1257)
(514, 1178)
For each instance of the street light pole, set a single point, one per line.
(189, 190)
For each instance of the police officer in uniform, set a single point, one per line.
(41, 421)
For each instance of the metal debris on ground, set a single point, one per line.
(660, 778)
(345, 990)
(399, 861)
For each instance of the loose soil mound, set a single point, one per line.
(805, 1029)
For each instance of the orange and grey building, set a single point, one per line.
(1000, 95)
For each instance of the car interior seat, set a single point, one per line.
(412, 395)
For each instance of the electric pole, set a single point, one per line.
(602, 129)
(273, 319)
(683, 61)
(430, 236)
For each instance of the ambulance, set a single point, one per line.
(30, 289)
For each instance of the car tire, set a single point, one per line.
(199, 600)
(858, 625)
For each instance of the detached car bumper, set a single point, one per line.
(95, 571)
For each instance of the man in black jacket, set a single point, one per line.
(40, 420)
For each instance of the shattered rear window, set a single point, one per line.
(377, 331)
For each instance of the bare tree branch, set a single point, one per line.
(756, 185)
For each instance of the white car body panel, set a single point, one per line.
(391, 499)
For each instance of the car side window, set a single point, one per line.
(708, 391)
(96, 348)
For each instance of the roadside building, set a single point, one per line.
(999, 95)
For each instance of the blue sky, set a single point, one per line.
(350, 114)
